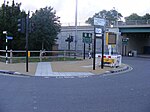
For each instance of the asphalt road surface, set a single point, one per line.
(126, 92)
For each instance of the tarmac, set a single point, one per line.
(60, 68)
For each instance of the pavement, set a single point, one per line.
(60, 68)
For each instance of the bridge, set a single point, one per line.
(134, 28)
(138, 35)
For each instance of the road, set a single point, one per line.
(126, 92)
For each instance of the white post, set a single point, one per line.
(11, 55)
(109, 48)
(5, 32)
(41, 52)
(6, 50)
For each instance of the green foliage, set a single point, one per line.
(46, 26)
(9, 15)
(146, 16)
(135, 16)
(110, 16)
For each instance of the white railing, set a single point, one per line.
(41, 55)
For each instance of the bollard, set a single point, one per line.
(41, 55)
(11, 55)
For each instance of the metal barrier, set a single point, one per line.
(112, 61)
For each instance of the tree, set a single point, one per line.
(111, 16)
(146, 16)
(9, 15)
(46, 26)
(133, 16)
(136, 19)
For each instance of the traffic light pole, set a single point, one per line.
(27, 34)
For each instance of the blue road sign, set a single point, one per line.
(9, 38)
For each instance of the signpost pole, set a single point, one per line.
(99, 31)
(102, 59)
(5, 33)
(6, 50)
(94, 49)
(84, 52)
(87, 39)
(27, 34)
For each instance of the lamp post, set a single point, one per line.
(76, 17)
(117, 43)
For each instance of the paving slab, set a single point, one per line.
(43, 69)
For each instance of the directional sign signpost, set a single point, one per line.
(99, 25)
(124, 43)
(99, 21)
(87, 39)
(9, 38)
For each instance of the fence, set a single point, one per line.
(37, 56)
(137, 22)
(133, 22)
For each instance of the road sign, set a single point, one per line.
(9, 38)
(98, 30)
(98, 35)
(87, 38)
(4, 32)
(125, 41)
(99, 21)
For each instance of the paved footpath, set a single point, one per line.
(45, 69)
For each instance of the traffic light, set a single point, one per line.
(69, 39)
(21, 25)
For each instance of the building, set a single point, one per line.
(70, 30)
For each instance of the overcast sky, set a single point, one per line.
(86, 8)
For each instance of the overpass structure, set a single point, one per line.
(138, 38)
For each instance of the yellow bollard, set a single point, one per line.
(29, 54)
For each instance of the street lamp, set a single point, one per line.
(76, 14)
(117, 43)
